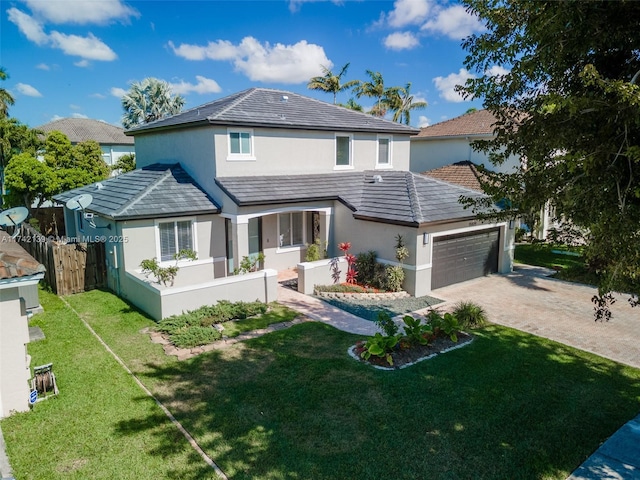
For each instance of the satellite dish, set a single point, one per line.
(13, 217)
(80, 202)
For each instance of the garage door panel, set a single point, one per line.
(461, 257)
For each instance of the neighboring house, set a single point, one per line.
(444, 151)
(19, 277)
(268, 171)
(450, 141)
(113, 142)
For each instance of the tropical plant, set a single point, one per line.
(386, 324)
(250, 263)
(149, 100)
(6, 99)
(470, 315)
(374, 88)
(380, 346)
(395, 273)
(447, 324)
(166, 274)
(352, 105)
(401, 103)
(416, 332)
(331, 82)
(351, 262)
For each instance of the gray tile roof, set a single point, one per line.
(262, 107)
(156, 191)
(402, 198)
(479, 122)
(83, 129)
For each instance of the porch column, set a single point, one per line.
(327, 232)
(240, 229)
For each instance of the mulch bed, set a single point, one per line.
(404, 357)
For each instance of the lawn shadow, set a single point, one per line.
(293, 404)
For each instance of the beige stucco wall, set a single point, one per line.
(319, 272)
(160, 301)
(14, 364)
(286, 152)
(434, 153)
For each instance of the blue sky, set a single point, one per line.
(75, 58)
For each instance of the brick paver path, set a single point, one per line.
(529, 301)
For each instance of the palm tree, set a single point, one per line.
(330, 82)
(373, 89)
(400, 102)
(149, 100)
(5, 97)
(353, 105)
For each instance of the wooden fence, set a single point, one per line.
(72, 267)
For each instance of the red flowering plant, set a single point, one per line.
(351, 262)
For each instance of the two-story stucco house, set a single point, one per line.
(271, 171)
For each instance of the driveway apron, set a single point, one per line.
(530, 301)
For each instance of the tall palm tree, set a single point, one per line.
(400, 102)
(149, 100)
(5, 97)
(352, 105)
(373, 89)
(330, 82)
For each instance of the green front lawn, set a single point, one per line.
(293, 404)
(570, 266)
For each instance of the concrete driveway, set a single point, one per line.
(530, 301)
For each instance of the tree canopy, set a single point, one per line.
(562, 80)
(65, 166)
(6, 99)
(149, 100)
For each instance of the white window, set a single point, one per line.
(175, 236)
(344, 151)
(291, 229)
(240, 144)
(383, 158)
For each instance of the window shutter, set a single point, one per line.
(185, 235)
(167, 241)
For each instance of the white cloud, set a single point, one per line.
(496, 71)
(204, 86)
(262, 62)
(423, 121)
(78, 115)
(118, 92)
(454, 22)
(27, 90)
(401, 41)
(28, 26)
(87, 48)
(81, 63)
(98, 95)
(446, 85)
(81, 12)
(294, 5)
(408, 12)
(43, 66)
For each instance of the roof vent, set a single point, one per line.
(284, 98)
(99, 186)
(377, 179)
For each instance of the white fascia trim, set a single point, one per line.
(244, 218)
(455, 231)
(21, 281)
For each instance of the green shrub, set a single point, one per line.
(470, 315)
(416, 332)
(343, 288)
(370, 272)
(194, 336)
(316, 251)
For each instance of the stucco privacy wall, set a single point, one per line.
(14, 370)
(319, 272)
(438, 152)
(160, 302)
